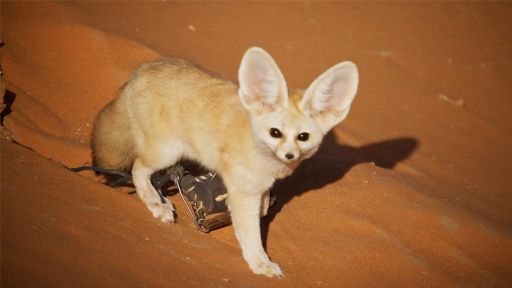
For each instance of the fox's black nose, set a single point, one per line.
(289, 156)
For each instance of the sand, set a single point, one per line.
(412, 190)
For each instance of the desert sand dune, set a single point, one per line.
(412, 190)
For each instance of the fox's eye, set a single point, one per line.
(303, 136)
(274, 132)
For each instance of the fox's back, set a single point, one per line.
(184, 85)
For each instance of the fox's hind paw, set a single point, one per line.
(164, 212)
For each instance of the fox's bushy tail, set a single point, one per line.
(112, 143)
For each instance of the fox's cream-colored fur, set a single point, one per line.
(251, 134)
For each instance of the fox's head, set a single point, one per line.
(293, 124)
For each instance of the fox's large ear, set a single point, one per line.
(328, 98)
(262, 85)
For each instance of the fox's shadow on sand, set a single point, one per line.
(330, 164)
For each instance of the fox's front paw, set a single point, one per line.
(164, 212)
(269, 269)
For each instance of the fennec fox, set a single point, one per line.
(251, 134)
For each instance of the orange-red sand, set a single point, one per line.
(412, 190)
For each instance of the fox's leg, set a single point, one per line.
(141, 176)
(245, 215)
(265, 203)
